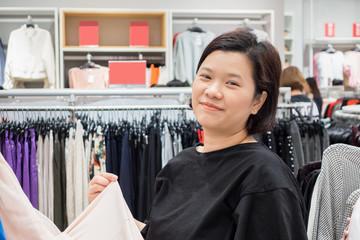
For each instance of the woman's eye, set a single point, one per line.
(233, 83)
(205, 76)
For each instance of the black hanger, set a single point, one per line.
(357, 48)
(195, 27)
(330, 49)
(244, 25)
(89, 63)
(29, 23)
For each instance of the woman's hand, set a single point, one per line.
(99, 183)
(346, 231)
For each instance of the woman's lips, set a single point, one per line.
(210, 106)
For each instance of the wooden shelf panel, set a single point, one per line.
(113, 49)
(114, 27)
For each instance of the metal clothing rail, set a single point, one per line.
(340, 114)
(95, 108)
(292, 105)
(116, 92)
(86, 92)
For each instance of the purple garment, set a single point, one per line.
(12, 147)
(26, 172)
(18, 171)
(7, 152)
(1, 145)
(33, 171)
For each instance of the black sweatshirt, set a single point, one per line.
(241, 192)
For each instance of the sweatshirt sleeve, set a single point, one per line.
(49, 59)
(274, 215)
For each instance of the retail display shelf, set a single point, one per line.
(113, 49)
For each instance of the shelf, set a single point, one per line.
(113, 49)
(335, 40)
(289, 53)
(289, 38)
(113, 25)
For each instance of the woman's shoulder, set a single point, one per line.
(300, 98)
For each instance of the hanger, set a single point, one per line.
(194, 26)
(357, 48)
(29, 23)
(89, 63)
(245, 24)
(330, 49)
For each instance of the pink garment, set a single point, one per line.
(352, 68)
(316, 74)
(89, 78)
(107, 217)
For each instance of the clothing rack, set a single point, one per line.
(112, 58)
(74, 110)
(72, 94)
(340, 114)
(351, 112)
(95, 108)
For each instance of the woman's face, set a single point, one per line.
(307, 88)
(223, 92)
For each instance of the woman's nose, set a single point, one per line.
(214, 91)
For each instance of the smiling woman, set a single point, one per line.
(231, 187)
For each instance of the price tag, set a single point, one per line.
(198, 41)
(90, 75)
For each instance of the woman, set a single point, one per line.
(313, 92)
(293, 78)
(231, 187)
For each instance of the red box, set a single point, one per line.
(88, 33)
(139, 34)
(127, 72)
(356, 30)
(329, 29)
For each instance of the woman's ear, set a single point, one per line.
(258, 102)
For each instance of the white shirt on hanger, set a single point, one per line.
(30, 56)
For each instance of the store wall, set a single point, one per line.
(295, 7)
(276, 5)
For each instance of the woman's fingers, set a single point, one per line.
(99, 183)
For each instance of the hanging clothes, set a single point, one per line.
(2, 64)
(89, 78)
(329, 66)
(30, 58)
(69, 153)
(154, 77)
(338, 178)
(352, 68)
(297, 141)
(60, 216)
(189, 46)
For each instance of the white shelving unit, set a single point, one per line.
(113, 37)
(289, 39)
(220, 21)
(12, 18)
(163, 24)
(343, 39)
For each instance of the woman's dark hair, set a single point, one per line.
(313, 86)
(266, 72)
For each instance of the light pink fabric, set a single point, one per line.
(352, 68)
(107, 217)
(89, 78)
